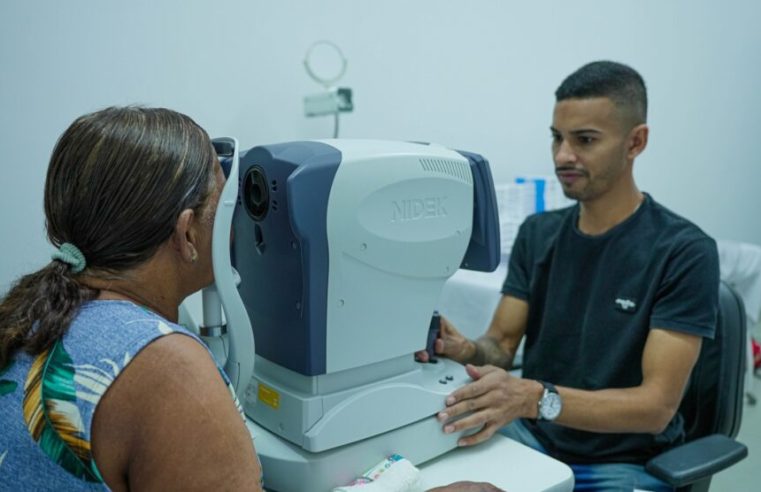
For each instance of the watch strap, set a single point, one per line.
(549, 386)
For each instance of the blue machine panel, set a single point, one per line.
(280, 249)
(483, 253)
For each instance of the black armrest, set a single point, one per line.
(697, 459)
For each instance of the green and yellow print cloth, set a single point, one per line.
(47, 402)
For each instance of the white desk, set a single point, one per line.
(503, 462)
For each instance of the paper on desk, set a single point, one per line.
(394, 474)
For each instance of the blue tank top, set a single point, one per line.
(47, 401)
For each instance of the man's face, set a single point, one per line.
(589, 147)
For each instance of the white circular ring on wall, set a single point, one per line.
(324, 81)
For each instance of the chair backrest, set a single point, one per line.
(713, 402)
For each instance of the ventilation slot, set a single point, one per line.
(456, 169)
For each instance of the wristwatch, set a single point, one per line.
(550, 403)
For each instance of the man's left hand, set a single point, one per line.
(494, 399)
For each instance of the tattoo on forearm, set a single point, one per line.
(488, 351)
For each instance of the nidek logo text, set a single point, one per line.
(418, 208)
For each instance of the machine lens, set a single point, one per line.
(256, 193)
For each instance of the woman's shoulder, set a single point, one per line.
(104, 326)
(170, 399)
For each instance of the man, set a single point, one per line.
(613, 296)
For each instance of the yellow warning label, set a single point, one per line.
(269, 396)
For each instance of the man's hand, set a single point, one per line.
(495, 398)
(450, 343)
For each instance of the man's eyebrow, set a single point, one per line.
(577, 131)
(585, 130)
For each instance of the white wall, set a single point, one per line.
(476, 75)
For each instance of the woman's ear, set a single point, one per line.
(185, 236)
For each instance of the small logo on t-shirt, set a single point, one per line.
(626, 304)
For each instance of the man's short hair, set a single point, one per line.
(616, 81)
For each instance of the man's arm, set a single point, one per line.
(508, 325)
(496, 347)
(667, 361)
(496, 398)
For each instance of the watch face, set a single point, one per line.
(551, 406)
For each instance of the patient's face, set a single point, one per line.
(588, 147)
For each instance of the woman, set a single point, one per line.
(99, 387)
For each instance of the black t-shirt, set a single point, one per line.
(592, 301)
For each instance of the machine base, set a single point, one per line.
(288, 468)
